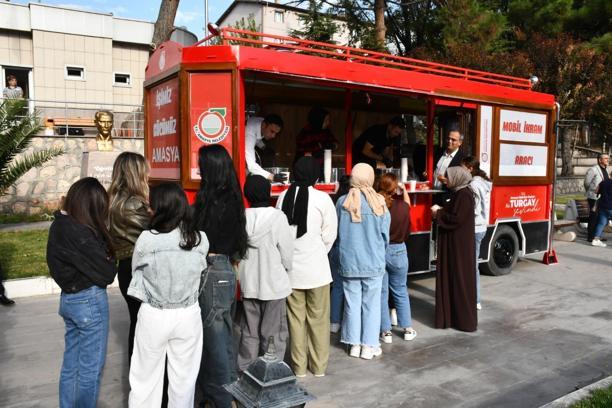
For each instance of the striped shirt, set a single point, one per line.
(12, 93)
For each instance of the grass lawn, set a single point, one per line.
(22, 254)
(598, 399)
(19, 218)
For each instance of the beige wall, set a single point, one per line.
(129, 59)
(53, 51)
(15, 48)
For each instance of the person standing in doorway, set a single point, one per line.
(219, 213)
(128, 216)
(594, 176)
(12, 90)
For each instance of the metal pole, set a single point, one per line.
(205, 18)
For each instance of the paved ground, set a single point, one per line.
(544, 332)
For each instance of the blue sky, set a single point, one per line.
(190, 12)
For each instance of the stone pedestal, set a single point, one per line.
(99, 165)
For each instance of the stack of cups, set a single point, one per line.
(327, 163)
(404, 170)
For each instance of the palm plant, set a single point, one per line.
(17, 128)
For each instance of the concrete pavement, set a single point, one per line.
(543, 332)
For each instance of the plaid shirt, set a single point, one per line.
(12, 93)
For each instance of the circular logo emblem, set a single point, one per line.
(484, 157)
(162, 60)
(211, 126)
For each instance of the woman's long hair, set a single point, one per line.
(387, 187)
(171, 210)
(473, 164)
(87, 203)
(129, 179)
(220, 192)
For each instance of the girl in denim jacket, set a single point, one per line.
(363, 237)
(167, 264)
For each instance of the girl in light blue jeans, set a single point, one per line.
(81, 261)
(363, 235)
(396, 259)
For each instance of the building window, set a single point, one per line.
(279, 16)
(122, 79)
(75, 72)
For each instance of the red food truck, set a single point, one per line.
(204, 94)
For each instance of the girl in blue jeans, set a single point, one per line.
(219, 213)
(396, 259)
(363, 236)
(81, 261)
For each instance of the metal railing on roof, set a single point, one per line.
(233, 36)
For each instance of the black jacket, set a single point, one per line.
(76, 257)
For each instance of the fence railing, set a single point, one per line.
(77, 119)
(228, 35)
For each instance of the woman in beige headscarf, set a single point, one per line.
(455, 278)
(363, 236)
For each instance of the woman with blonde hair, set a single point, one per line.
(129, 215)
(363, 237)
(396, 258)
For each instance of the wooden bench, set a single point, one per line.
(558, 224)
(70, 122)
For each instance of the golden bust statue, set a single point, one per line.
(104, 124)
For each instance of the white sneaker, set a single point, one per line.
(409, 334)
(368, 353)
(597, 242)
(334, 327)
(355, 351)
(386, 337)
(393, 317)
(478, 306)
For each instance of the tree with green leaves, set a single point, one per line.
(318, 25)
(17, 128)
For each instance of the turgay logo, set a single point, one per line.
(211, 126)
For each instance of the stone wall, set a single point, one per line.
(40, 189)
(570, 185)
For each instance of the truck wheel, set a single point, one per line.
(504, 252)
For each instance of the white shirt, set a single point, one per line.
(442, 166)
(310, 263)
(253, 137)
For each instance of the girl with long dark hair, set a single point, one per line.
(81, 261)
(167, 263)
(219, 212)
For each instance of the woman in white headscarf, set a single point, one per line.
(363, 237)
(455, 278)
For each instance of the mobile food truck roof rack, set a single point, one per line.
(233, 36)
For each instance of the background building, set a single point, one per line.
(273, 18)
